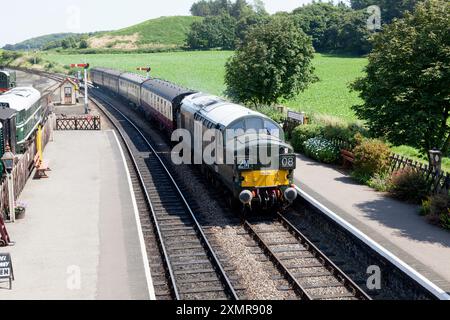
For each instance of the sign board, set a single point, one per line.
(6, 268)
(296, 116)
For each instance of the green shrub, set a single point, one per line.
(303, 133)
(272, 113)
(361, 177)
(380, 182)
(436, 209)
(371, 157)
(321, 150)
(409, 185)
(336, 128)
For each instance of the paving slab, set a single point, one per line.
(395, 225)
(79, 238)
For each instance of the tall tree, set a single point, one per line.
(274, 62)
(406, 91)
(213, 32)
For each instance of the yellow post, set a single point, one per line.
(39, 143)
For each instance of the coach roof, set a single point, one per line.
(20, 98)
(165, 89)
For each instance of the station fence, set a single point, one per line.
(437, 181)
(78, 123)
(23, 168)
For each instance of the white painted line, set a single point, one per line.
(419, 278)
(151, 290)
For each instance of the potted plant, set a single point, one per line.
(20, 210)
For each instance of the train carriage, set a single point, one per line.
(130, 87)
(109, 79)
(28, 104)
(161, 100)
(7, 80)
(97, 76)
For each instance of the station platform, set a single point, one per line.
(394, 225)
(81, 237)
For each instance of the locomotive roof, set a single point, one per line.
(165, 89)
(20, 98)
(220, 111)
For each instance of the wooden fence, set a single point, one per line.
(438, 181)
(78, 123)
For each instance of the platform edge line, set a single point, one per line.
(150, 287)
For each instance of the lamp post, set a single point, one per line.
(435, 160)
(8, 162)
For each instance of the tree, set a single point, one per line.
(213, 32)
(204, 8)
(83, 44)
(390, 9)
(259, 7)
(406, 91)
(249, 21)
(274, 62)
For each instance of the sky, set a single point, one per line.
(27, 19)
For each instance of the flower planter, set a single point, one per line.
(20, 213)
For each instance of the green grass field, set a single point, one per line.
(204, 70)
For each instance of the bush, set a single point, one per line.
(436, 209)
(321, 150)
(371, 157)
(336, 128)
(380, 182)
(409, 185)
(272, 113)
(303, 133)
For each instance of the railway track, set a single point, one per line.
(311, 274)
(192, 267)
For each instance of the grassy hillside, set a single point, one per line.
(160, 32)
(204, 70)
(39, 42)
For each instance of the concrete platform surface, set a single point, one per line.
(79, 238)
(395, 225)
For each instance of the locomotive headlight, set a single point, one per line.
(290, 195)
(246, 197)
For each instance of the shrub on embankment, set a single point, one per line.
(436, 209)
